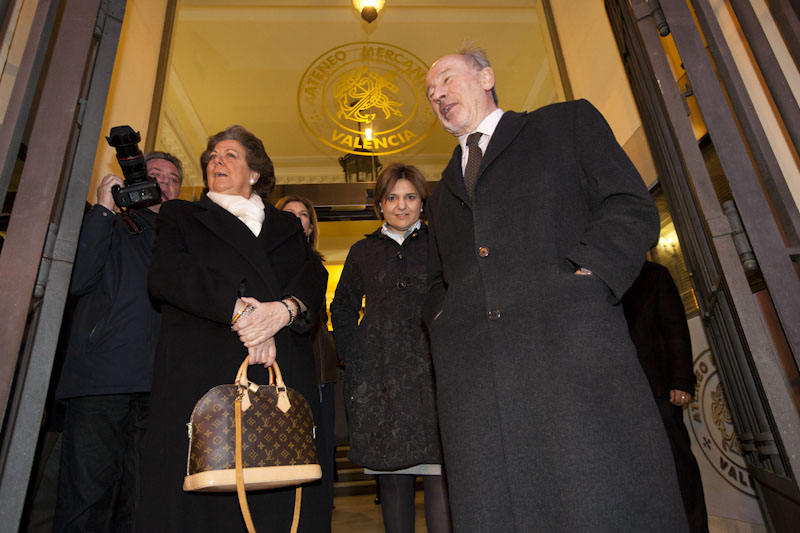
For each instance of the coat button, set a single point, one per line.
(494, 314)
(483, 251)
(401, 284)
(400, 256)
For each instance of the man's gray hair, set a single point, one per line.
(166, 157)
(476, 55)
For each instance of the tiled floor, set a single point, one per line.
(359, 514)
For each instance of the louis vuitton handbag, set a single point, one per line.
(246, 436)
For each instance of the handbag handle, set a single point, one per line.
(242, 403)
(276, 380)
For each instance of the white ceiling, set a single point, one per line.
(243, 64)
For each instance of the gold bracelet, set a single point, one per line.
(244, 311)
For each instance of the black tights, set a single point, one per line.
(397, 503)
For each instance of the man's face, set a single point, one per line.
(460, 93)
(168, 178)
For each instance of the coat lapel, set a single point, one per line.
(253, 250)
(277, 229)
(453, 176)
(507, 129)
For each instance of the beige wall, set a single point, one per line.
(132, 82)
(596, 73)
(593, 63)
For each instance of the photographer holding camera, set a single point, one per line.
(105, 380)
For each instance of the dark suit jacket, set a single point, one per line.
(658, 328)
(546, 417)
(204, 258)
(114, 326)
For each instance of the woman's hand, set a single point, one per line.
(263, 353)
(266, 319)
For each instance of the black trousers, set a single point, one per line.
(328, 460)
(98, 482)
(691, 485)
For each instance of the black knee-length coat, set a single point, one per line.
(389, 389)
(204, 258)
(547, 421)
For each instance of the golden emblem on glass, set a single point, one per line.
(366, 98)
(359, 92)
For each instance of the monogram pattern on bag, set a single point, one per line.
(269, 436)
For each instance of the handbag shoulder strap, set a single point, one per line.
(298, 498)
(240, 492)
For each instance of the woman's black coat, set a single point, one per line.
(204, 258)
(388, 380)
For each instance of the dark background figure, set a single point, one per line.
(229, 253)
(389, 382)
(326, 360)
(658, 328)
(546, 418)
(108, 362)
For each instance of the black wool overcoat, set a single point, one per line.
(388, 380)
(204, 258)
(546, 418)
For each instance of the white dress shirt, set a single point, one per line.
(400, 237)
(486, 127)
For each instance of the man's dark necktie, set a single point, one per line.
(473, 163)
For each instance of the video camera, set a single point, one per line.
(140, 190)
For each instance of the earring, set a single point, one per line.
(308, 237)
(252, 181)
(421, 209)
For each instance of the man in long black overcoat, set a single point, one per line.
(547, 421)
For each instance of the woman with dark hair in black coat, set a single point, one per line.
(389, 389)
(227, 257)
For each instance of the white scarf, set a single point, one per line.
(251, 211)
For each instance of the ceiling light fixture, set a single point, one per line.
(369, 8)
